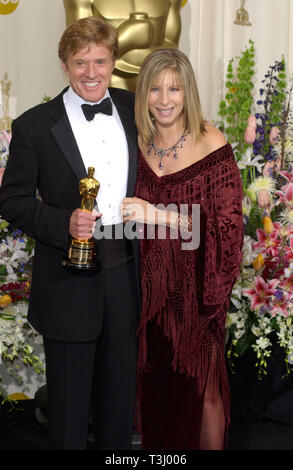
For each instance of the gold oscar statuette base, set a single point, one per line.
(81, 256)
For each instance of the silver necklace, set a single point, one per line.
(161, 152)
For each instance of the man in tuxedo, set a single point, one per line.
(88, 322)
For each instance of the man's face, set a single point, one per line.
(89, 71)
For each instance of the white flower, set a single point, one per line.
(234, 145)
(263, 343)
(264, 322)
(247, 160)
(287, 272)
(256, 330)
(239, 333)
(246, 205)
(241, 323)
(286, 216)
(230, 319)
(262, 182)
(4, 146)
(12, 254)
(247, 252)
(236, 302)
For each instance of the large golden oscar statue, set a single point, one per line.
(142, 25)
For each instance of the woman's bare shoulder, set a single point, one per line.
(212, 139)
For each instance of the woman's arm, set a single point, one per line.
(139, 210)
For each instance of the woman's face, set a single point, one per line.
(166, 98)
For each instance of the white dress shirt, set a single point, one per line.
(102, 144)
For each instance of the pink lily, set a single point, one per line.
(274, 135)
(268, 244)
(1, 174)
(271, 167)
(286, 196)
(7, 136)
(288, 176)
(280, 303)
(287, 284)
(289, 249)
(262, 292)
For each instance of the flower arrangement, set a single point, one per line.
(261, 310)
(16, 254)
(234, 110)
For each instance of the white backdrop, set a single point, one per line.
(29, 40)
(210, 39)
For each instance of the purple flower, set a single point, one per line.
(278, 294)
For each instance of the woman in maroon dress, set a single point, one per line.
(189, 258)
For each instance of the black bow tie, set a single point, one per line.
(90, 110)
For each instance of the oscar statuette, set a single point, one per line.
(82, 252)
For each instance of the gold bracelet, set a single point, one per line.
(184, 223)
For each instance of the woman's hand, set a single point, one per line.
(142, 211)
(138, 210)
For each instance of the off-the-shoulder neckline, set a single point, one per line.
(160, 177)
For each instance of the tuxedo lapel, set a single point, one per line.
(62, 133)
(131, 136)
(131, 140)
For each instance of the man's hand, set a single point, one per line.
(82, 223)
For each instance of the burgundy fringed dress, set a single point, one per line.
(185, 295)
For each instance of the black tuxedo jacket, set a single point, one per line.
(44, 155)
